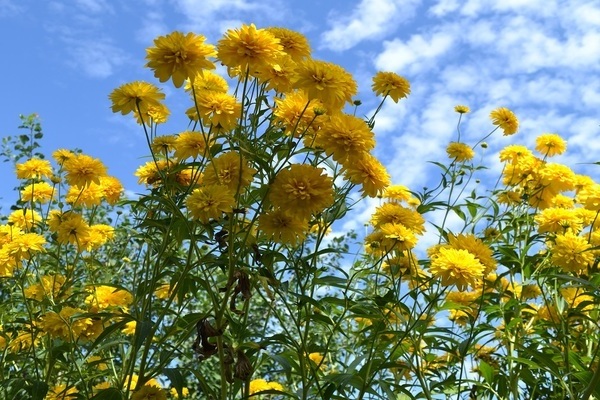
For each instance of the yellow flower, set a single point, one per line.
(557, 177)
(61, 392)
(401, 264)
(589, 196)
(397, 237)
(279, 75)
(179, 57)
(87, 196)
(163, 291)
(398, 193)
(327, 82)
(261, 385)
(317, 359)
(39, 192)
(572, 253)
(475, 246)
(70, 228)
(149, 393)
(155, 113)
(184, 392)
(210, 202)
(461, 109)
(506, 120)
(297, 113)
(62, 155)
(367, 171)
(207, 81)
(129, 328)
(294, 44)
(513, 153)
(24, 219)
(112, 189)
(22, 246)
(34, 168)
(460, 151)
(397, 214)
(558, 220)
(248, 48)
(50, 286)
(390, 84)
(217, 110)
(191, 145)
(574, 296)
(344, 136)
(65, 324)
(102, 297)
(225, 170)
(283, 227)
(136, 97)
(82, 170)
(550, 144)
(456, 267)
(302, 190)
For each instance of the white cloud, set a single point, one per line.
(443, 7)
(9, 8)
(95, 6)
(370, 19)
(96, 58)
(416, 54)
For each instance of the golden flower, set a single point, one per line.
(22, 246)
(87, 196)
(217, 110)
(102, 297)
(149, 393)
(515, 152)
(190, 144)
(397, 214)
(34, 168)
(279, 75)
(462, 109)
(112, 189)
(39, 192)
(297, 113)
(155, 113)
(506, 120)
(184, 392)
(136, 97)
(550, 144)
(62, 155)
(210, 202)
(390, 84)
(571, 253)
(589, 197)
(70, 228)
(261, 385)
(302, 190)
(229, 169)
(50, 286)
(82, 170)
(65, 324)
(397, 237)
(207, 81)
(293, 43)
(248, 48)
(367, 171)
(558, 220)
(475, 246)
(152, 172)
(575, 296)
(163, 291)
(456, 267)
(397, 193)
(24, 219)
(282, 227)
(129, 328)
(179, 57)
(327, 82)
(163, 145)
(344, 136)
(460, 151)
(401, 264)
(317, 359)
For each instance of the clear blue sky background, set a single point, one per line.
(540, 58)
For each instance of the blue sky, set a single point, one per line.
(540, 58)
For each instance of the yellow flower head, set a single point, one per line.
(367, 171)
(261, 385)
(397, 193)
(302, 190)
(397, 214)
(70, 227)
(506, 120)
(112, 189)
(475, 246)
(460, 152)
(327, 82)
(513, 153)
(34, 168)
(51, 286)
(279, 75)
(62, 155)
(190, 144)
(248, 48)
(65, 324)
(102, 297)
(86, 196)
(462, 109)
(572, 253)
(217, 110)
(344, 136)
(155, 113)
(294, 44)
(390, 84)
(282, 227)
(179, 57)
(456, 267)
(229, 169)
(22, 246)
(590, 197)
(136, 97)
(149, 393)
(550, 144)
(207, 81)
(82, 170)
(24, 219)
(397, 237)
(39, 192)
(297, 113)
(210, 201)
(558, 220)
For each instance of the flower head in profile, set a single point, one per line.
(210, 202)
(327, 82)
(456, 267)
(397, 193)
(344, 136)
(282, 227)
(149, 393)
(39, 192)
(102, 297)
(191, 144)
(136, 97)
(302, 190)
(390, 84)
(572, 253)
(207, 81)
(293, 43)
(248, 48)
(297, 113)
(462, 109)
(229, 169)
(261, 385)
(506, 120)
(398, 214)
(368, 172)
(82, 170)
(460, 152)
(550, 144)
(24, 219)
(179, 57)
(475, 246)
(217, 110)
(34, 168)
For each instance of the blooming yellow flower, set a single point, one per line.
(368, 172)
(283, 227)
(217, 110)
(456, 267)
(39, 192)
(149, 393)
(112, 189)
(571, 253)
(87, 196)
(229, 169)
(344, 136)
(129, 328)
(293, 43)
(62, 155)
(248, 48)
(22, 246)
(24, 219)
(327, 82)
(590, 197)
(397, 237)
(261, 385)
(135, 97)
(557, 177)
(207, 81)
(51, 286)
(102, 297)
(475, 246)
(179, 57)
(506, 120)
(514, 152)
(397, 193)
(460, 151)
(558, 220)
(279, 75)
(190, 144)
(155, 113)
(397, 214)
(82, 170)
(34, 168)
(302, 190)
(462, 109)
(70, 227)
(390, 84)
(210, 202)
(65, 324)
(297, 113)
(550, 144)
